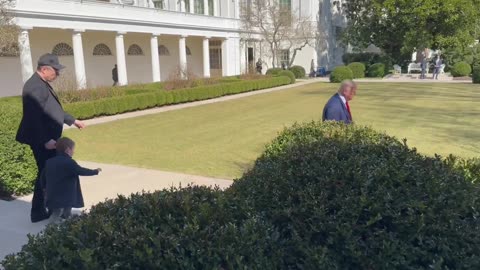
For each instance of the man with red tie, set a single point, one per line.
(338, 108)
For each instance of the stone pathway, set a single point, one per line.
(113, 181)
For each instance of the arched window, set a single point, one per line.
(188, 50)
(162, 50)
(134, 49)
(102, 49)
(62, 49)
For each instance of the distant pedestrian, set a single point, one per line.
(259, 66)
(438, 65)
(338, 108)
(42, 123)
(61, 182)
(424, 66)
(115, 75)
(284, 67)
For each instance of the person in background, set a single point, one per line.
(424, 66)
(338, 108)
(61, 182)
(259, 66)
(438, 65)
(115, 75)
(42, 123)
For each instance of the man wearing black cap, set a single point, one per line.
(42, 122)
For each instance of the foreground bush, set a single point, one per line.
(299, 71)
(476, 75)
(288, 74)
(340, 74)
(358, 69)
(461, 69)
(194, 228)
(17, 166)
(351, 198)
(376, 71)
(322, 196)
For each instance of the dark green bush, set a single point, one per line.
(17, 166)
(273, 71)
(289, 74)
(322, 196)
(369, 59)
(476, 75)
(340, 74)
(358, 69)
(299, 71)
(346, 197)
(461, 69)
(193, 228)
(376, 71)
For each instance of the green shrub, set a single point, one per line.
(461, 69)
(273, 71)
(346, 197)
(17, 166)
(322, 196)
(476, 75)
(358, 69)
(289, 74)
(340, 74)
(193, 228)
(299, 71)
(376, 71)
(369, 59)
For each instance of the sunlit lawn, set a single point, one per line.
(223, 139)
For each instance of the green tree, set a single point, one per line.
(399, 27)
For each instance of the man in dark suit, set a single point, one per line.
(338, 108)
(42, 123)
(115, 75)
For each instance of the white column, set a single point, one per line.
(192, 6)
(121, 61)
(182, 5)
(182, 47)
(225, 55)
(237, 9)
(215, 8)
(206, 57)
(205, 7)
(25, 54)
(155, 58)
(80, 73)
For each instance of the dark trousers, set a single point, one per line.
(41, 155)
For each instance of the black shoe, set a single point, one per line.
(39, 217)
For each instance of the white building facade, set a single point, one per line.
(149, 40)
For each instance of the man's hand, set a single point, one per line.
(50, 145)
(79, 124)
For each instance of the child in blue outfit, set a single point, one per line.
(61, 181)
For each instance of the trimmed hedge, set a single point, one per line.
(299, 71)
(322, 196)
(273, 71)
(288, 73)
(340, 74)
(17, 166)
(358, 70)
(85, 110)
(376, 71)
(461, 69)
(476, 75)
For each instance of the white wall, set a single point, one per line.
(10, 76)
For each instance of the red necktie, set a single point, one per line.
(348, 109)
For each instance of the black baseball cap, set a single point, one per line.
(50, 60)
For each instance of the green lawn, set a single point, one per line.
(223, 139)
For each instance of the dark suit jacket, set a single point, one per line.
(43, 115)
(61, 180)
(335, 110)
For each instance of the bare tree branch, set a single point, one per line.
(8, 30)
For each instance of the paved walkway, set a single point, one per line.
(114, 180)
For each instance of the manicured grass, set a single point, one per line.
(223, 139)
